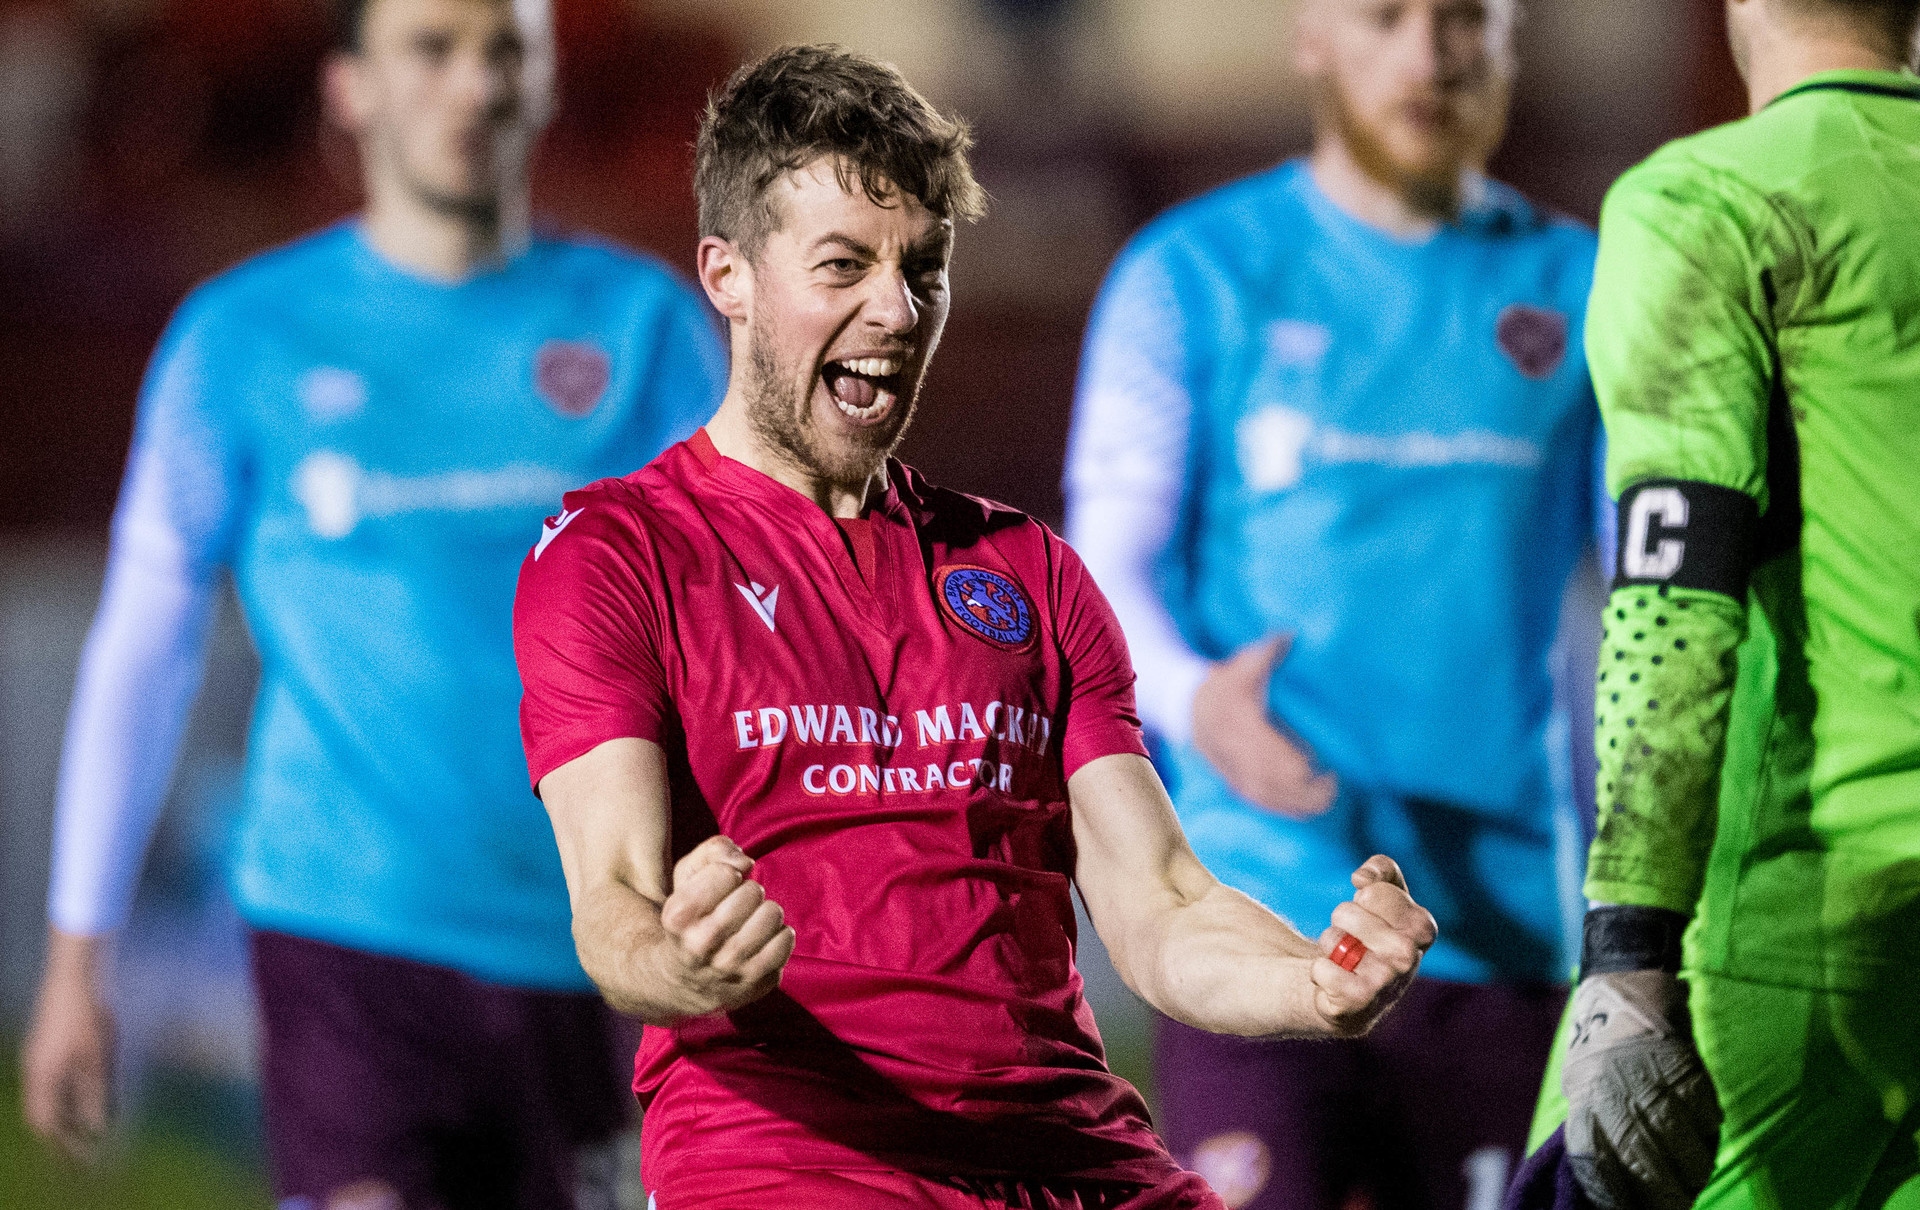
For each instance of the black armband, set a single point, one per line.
(1687, 534)
(1615, 939)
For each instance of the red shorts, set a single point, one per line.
(764, 1190)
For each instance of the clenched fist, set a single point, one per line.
(724, 942)
(1395, 930)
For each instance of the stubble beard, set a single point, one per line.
(1432, 187)
(781, 413)
(481, 205)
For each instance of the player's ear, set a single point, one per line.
(726, 275)
(1310, 56)
(344, 89)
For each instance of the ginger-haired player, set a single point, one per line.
(828, 748)
(1334, 464)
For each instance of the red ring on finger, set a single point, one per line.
(1348, 951)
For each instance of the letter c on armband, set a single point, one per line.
(1687, 534)
(1664, 557)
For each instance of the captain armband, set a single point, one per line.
(1679, 533)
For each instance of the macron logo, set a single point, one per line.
(553, 527)
(763, 600)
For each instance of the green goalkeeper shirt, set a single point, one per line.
(1755, 326)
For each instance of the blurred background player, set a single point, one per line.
(1333, 461)
(1753, 341)
(365, 426)
(907, 713)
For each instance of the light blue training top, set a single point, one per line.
(371, 454)
(1290, 422)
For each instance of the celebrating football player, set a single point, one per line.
(827, 748)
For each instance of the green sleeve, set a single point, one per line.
(1666, 679)
(1679, 328)
(1679, 338)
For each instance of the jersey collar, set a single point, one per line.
(1869, 83)
(743, 478)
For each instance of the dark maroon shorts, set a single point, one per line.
(1428, 1112)
(386, 1077)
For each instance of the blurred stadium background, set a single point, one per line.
(147, 144)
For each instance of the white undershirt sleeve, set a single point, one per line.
(1127, 459)
(144, 655)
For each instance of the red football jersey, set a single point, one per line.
(889, 736)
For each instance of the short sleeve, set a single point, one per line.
(1098, 676)
(1134, 402)
(185, 486)
(1678, 329)
(587, 637)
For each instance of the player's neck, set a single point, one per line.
(1777, 60)
(1397, 212)
(444, 247)
(733, 434)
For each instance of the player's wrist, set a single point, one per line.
(1617, 938)
(77, 961)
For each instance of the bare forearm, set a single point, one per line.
(618, 934)
(1226, 964)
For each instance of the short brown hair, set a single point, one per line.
(802, 103)
(350, 26)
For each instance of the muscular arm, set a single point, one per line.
(662, 946)
(1204, 953)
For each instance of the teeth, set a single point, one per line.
(882, 400)
(874, 367)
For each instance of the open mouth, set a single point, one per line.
(864, 388)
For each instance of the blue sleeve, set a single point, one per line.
(172, 530)
(186, 476)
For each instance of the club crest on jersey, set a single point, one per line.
(986, 603)
(1533, 338)
(572, 375)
